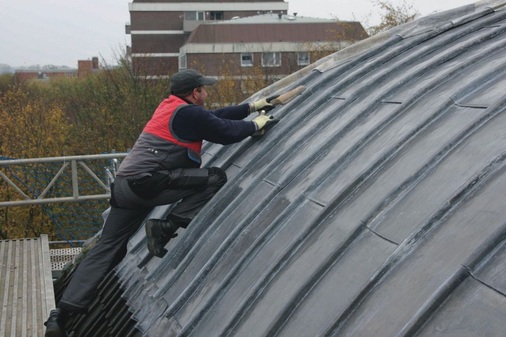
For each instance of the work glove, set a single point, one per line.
(263, 104)
(263, 122)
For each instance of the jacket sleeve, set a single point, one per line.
(223, 126)
(234, 112)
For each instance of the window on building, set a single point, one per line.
(182, 61)
(246, 60)
(303, 58)
(271, 59)
(194, 16)
(215, 15)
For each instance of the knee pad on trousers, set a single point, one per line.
(217, 176)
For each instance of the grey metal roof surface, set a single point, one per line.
(376, 207)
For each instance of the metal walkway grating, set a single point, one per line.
(26, 288)
(60, 257)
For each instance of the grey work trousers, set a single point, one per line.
(122, 222)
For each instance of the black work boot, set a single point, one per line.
(159, 232)
(55, 324)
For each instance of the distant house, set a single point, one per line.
(279, 44)
(84, 68)
(169, 35)
(43, 74)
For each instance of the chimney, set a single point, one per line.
(84, 68)
(94, 61)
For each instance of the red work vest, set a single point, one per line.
(160, 123)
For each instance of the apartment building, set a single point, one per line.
(159, 28)
(167, 35)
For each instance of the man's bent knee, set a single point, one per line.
(217, 176)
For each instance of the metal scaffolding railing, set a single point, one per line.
(80, 172)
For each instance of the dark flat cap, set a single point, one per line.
(187, 80)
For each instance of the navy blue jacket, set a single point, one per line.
(222, 126)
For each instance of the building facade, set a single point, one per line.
(271, 45)
(159, 28)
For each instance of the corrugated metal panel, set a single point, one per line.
(376, 207)
(26, 287)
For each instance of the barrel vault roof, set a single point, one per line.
(375, 207)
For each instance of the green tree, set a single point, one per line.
(6, 82)
(30, 129)
(107, 109)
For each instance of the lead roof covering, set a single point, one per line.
(375, 207)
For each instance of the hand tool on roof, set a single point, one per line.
(263, 104)
(269, 103)
(288, 96)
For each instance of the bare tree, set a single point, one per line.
(392, 15)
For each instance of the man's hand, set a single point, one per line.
(262, 122)
(263, 104)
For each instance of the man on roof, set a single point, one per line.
(163, 167)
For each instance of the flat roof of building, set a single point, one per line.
(273, 18)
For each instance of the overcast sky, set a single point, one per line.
(60, 32)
